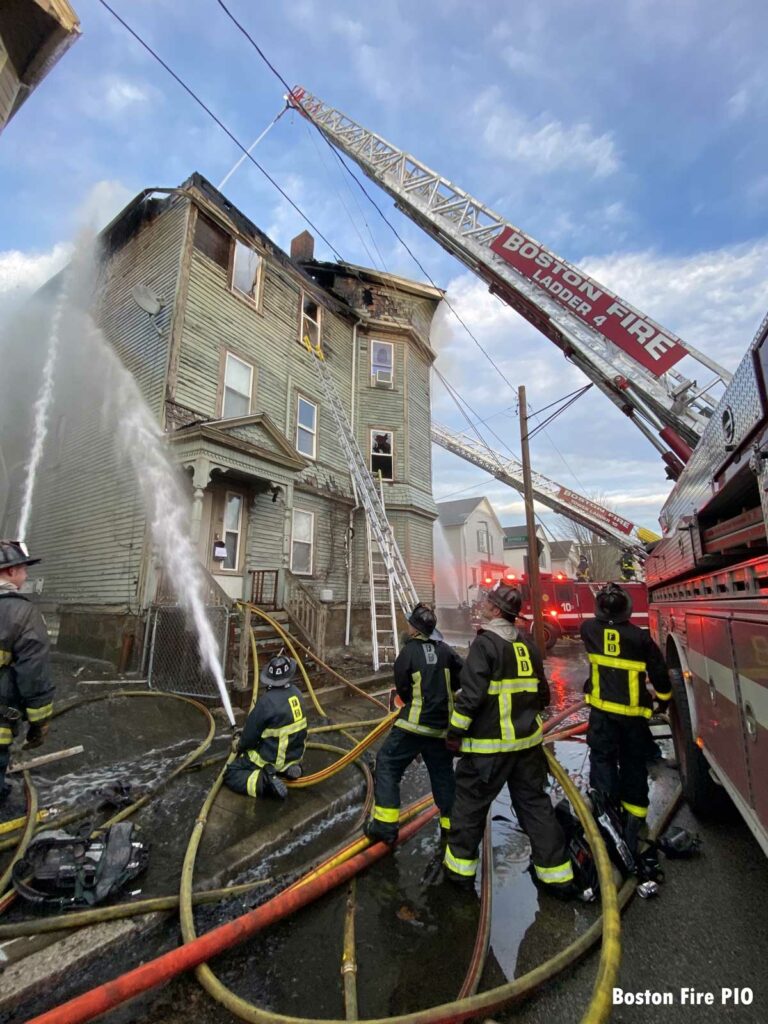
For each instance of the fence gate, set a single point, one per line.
(174, 656)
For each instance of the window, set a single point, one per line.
(484, 540)
(382, 364)
(302, 542)
(382, 456)
(306, 427)
(310, 323)
(233, 515)
(212, 241)
(238, 384)
(245, 270)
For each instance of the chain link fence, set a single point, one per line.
(174, 658)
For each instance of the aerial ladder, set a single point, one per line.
(574, 506)
(626, 354)
(389, 581)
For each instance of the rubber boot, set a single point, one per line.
(273, 784)
(292, 772)
(378, 832)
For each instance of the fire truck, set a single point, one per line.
(708, 576)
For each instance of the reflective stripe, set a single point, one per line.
(459, 721)
(639, 711)
(559, 873)
(635, 809)
(283, 734)
(472, 745)
(5, 658)
(499, 686)
(390, 815)
(38, 714)
(414, 711)
(449, 691)
(459, 865)
(445, 822)
(6, 736)
(633, 670)
(663, 696)
(250, 786)
(421, 730)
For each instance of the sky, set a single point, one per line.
(630, 138)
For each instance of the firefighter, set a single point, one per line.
(583, 574)
(627, 565)
(622, 656)
(427, 672)
(496, 725)
(272, 743)
(26, 687)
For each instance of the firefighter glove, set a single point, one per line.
(35, 735)
(453, 743)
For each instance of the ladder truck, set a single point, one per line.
(708, 576)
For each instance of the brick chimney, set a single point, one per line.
(303, 247)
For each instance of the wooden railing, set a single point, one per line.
(264, 588)
(309, 614)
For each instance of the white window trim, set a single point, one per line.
(390, 345)
(254, 301)
(300, 426)
(227, 495)
(371, 453)
(304, 512)
(251, 368)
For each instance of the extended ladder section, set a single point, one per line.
(574, 506)
(628, 356)
(387, 571)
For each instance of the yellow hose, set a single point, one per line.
(26, 837)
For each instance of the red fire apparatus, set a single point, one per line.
(708, 576)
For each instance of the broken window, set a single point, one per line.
(310, 323)
(382, 454)
(302, 542)
(238, 386)
(306, 427)
(212, 241)
(246, 264)
(382, 364)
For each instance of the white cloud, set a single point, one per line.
(23, 272)
(120, 93)
(544, 144)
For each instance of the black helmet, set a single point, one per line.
(423, 618)
(279, 672)
(13, 553)
(507, 599)
(613, 604)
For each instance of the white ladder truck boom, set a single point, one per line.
(625, 353)
(568, 503)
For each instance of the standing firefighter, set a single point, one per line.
(26, 688)
(426, 675)
(627, 565)
(272, 743)
(496, 725)
(622, 656)
(583, 574)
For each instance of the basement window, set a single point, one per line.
(238, 387)
(246, 267)
(310, 323)
(302, 542)
(306, 427)
(382, 454)
(382, 364)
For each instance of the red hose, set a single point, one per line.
(184, 958)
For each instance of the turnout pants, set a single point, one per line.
(246, 777)
(479, 780)
(618, 749)
(399, 750)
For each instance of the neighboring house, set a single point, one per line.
(209, 316)
(469, 541)
(516, 549)
(565, 557)
(34, 34)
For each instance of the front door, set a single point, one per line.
(226, 557)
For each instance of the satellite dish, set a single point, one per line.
(146, 299)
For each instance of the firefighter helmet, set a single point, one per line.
(613, 604)
(423, 619)
(279, 672)
(13, 553)
(507, 599)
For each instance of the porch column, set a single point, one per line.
(196, 517)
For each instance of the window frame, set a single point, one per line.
(300, 426)
(381, 430)
(254, 301)
(391, 345)
(225, 354)
(304, 297)
(237, 569)
(484, 532)
(303, 512)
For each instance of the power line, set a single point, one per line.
(221, 125)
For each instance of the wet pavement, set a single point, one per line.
(707, 929)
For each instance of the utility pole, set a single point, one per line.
(534, 581)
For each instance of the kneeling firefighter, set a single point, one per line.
(622, 656)
(427, 672)
(272, 744)
(496, 725)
